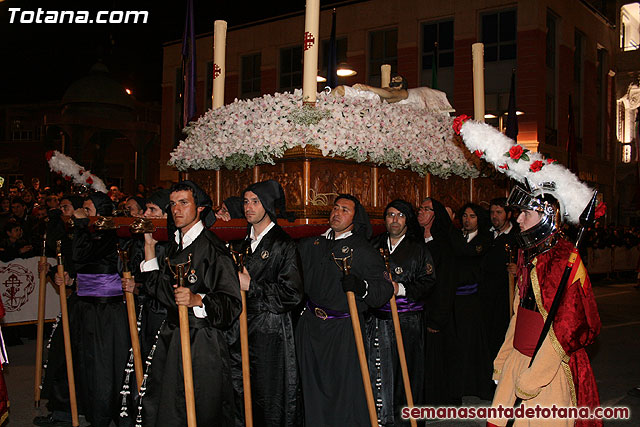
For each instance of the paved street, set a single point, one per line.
(615, 357)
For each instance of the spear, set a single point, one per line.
(586, 218)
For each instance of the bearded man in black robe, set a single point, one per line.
(413, 276)
(271, 279)
(212, 295)
(325, 344)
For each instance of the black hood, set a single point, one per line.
(413, 228)
(102, 202)
(235, 207)
(202, 200)
(441, 220)
(160, 198)
(272, 197)
(76, 201)
(361, 223)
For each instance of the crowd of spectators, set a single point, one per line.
(24, 210)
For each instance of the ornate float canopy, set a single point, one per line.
(250, 132)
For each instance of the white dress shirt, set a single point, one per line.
(187, 239)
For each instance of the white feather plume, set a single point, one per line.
(65, 165)
(573, 194)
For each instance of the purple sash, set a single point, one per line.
(467, 289)
(99, 285)
(404, 305)
(325, 313)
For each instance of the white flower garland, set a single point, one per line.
(515, 161)
(255, 131)
(65, 166)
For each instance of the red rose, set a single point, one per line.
(600, 210)
(549, 161)
(458, 122)
(505, 166)
(536, 166)
(49, 155)
(67, 177)
(478, 153)
(516, 152)
(89, 181)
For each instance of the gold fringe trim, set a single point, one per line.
(552, 335)
(524, 393)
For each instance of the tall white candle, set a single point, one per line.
(219, 68)
(310, 47)
(385, 75)
(477, 50)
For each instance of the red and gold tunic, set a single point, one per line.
(561, 373)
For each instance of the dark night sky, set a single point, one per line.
(39, 61)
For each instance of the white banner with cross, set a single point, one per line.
(19, 290)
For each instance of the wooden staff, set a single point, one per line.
(357, 332)
(67, 339)
(133, 323)
(244, 347)
(40, 334)
(511, 279)
(399, 341)
(185, 342)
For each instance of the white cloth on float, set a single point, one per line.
(432, 100)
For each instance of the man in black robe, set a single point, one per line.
(54, 384)
(472, 358)
(271, 279)
(413, 276)
(151, 312)
(495, 277)
(327, 357)
(440, 337)
(212, 294)
(98, 319)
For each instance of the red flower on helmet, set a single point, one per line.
(516, 152)
(89, 180)
(479, 153)
(536, 166)
(549, 161)
(458, 122)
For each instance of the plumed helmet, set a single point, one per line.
(540, 199)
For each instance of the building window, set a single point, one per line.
(630, 26)
(551, 91)
(437, 51)
(499, 36)
(341, 54)
(601, 96)
(290, 68)
(383, 49)
(578, 86)
(251, 75)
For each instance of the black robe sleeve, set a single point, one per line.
(216, 278)
(275, 279)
